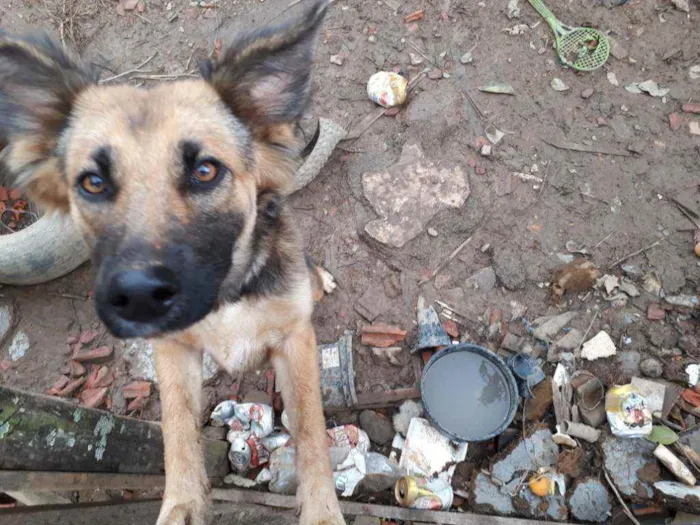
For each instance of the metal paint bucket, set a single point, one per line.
(469, 393)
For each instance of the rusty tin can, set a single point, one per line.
(423, 493)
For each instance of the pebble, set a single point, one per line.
(587, 93)
(652, 368)
(337, 59)
(19, 346)
(432, 232)
(466, 58)
(416, 59)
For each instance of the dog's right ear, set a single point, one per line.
(39, 83)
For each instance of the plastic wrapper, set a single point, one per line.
(387, 89)
(256, 417)
(628, 412)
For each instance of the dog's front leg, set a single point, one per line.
(296, 365)
(180, 381)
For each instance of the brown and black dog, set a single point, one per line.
(180, 189)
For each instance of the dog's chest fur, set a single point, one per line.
(239, 335)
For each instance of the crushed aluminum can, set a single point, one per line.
(260, 418)
(628, 412)
(247, 452)
(275, 441)
(387, 89)
(423, 493)
(427, 451)
(349, 437)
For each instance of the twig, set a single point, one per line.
(69, 296)
(608, 236)
(619, 498)
(689, 214)
(544, 182)
(573, 146)
(135, 70)
(164, 77)
(587, 330)
(143, 18)
(444, 263)
(655, 243)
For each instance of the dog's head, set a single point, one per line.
(173, 186)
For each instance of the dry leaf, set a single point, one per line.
(691, 396)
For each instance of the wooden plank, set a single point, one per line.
(40, 432)
(350, 508)
(139, 513)
(23, 480)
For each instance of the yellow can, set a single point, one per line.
(422, 493)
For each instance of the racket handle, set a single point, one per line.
(546, 14)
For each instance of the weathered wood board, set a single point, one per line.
(43, 433)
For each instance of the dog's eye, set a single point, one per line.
(205, 171)
(93, 184)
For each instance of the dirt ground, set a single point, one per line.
(613, 204)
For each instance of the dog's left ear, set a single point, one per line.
(39, 83)
(265, 76)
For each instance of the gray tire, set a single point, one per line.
(46, 250)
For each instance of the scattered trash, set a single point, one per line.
(577, 276)
(648, 86)
(546, 481)
(547, 327)
(662, 435)
(559, 85)
(423, 493)
(675, 465)
(338, 373)
(365, 471)
(599, 347)
(387, 89)
(513, 9)
(526, 372)
(590, 396)
(500, 88)
(612, 78)
(431, 333)
(581, 48)
(494, 134)
(693, 372)
(628, 412)
(580, 431)
(408, 410)
(517, 29)
(653, 392)
(427, 451)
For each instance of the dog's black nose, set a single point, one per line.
(143, 295)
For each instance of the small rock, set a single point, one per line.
(435, 74)
(550, 326)
(407, 411)
(432, 232)
(466, 58)
(571, 341)
(655, 312)
(590, 501)
(378, 427)
(694, 72)
(541, 403)
(652, 368)
(612, 78)
(587, 93)
(372, 39)
(485, 150)
(689, 107)
(675, 121)
(681, 5)
(99, 378)
(600, 346)
(559, 85)
(338, 59)
(6, 320)
(629, 362)
(19, 346)
(617, 50)
(694, 127)
(483, 280)
(416, 59)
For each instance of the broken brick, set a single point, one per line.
(382, 335)
(138, 403)
(451, 328)
(691, 108)
(137, 389)
(99, 378)
(100, 353)
(675, 121)
(76, 369)
(58, 385)
(93, 397)
(71, 387)
(87, 337)
(655, 312)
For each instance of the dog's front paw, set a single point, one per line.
(328, 281)
(320, 507)
(182, 513)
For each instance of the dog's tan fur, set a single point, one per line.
(237, 116)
